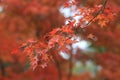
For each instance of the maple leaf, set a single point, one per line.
(67, 30)
(43, 65)
(66, 4)
(69, 3)
(91, 36)
(70, 41)
(71, 23)
(54, 31)
(45, 57)
(102, 23)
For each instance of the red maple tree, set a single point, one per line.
(39, 27)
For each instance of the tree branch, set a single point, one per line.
(99, 12)
(58, 67)
(70, 65)
(2, 67)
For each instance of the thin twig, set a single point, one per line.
(70, 66)
(100, 11)
(104, 5)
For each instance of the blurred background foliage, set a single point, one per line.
(21, 20)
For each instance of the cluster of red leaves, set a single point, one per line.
(57, 39)
(107, 17)
(95, 14)
(69, 3)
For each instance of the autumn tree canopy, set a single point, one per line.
(59, 39)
